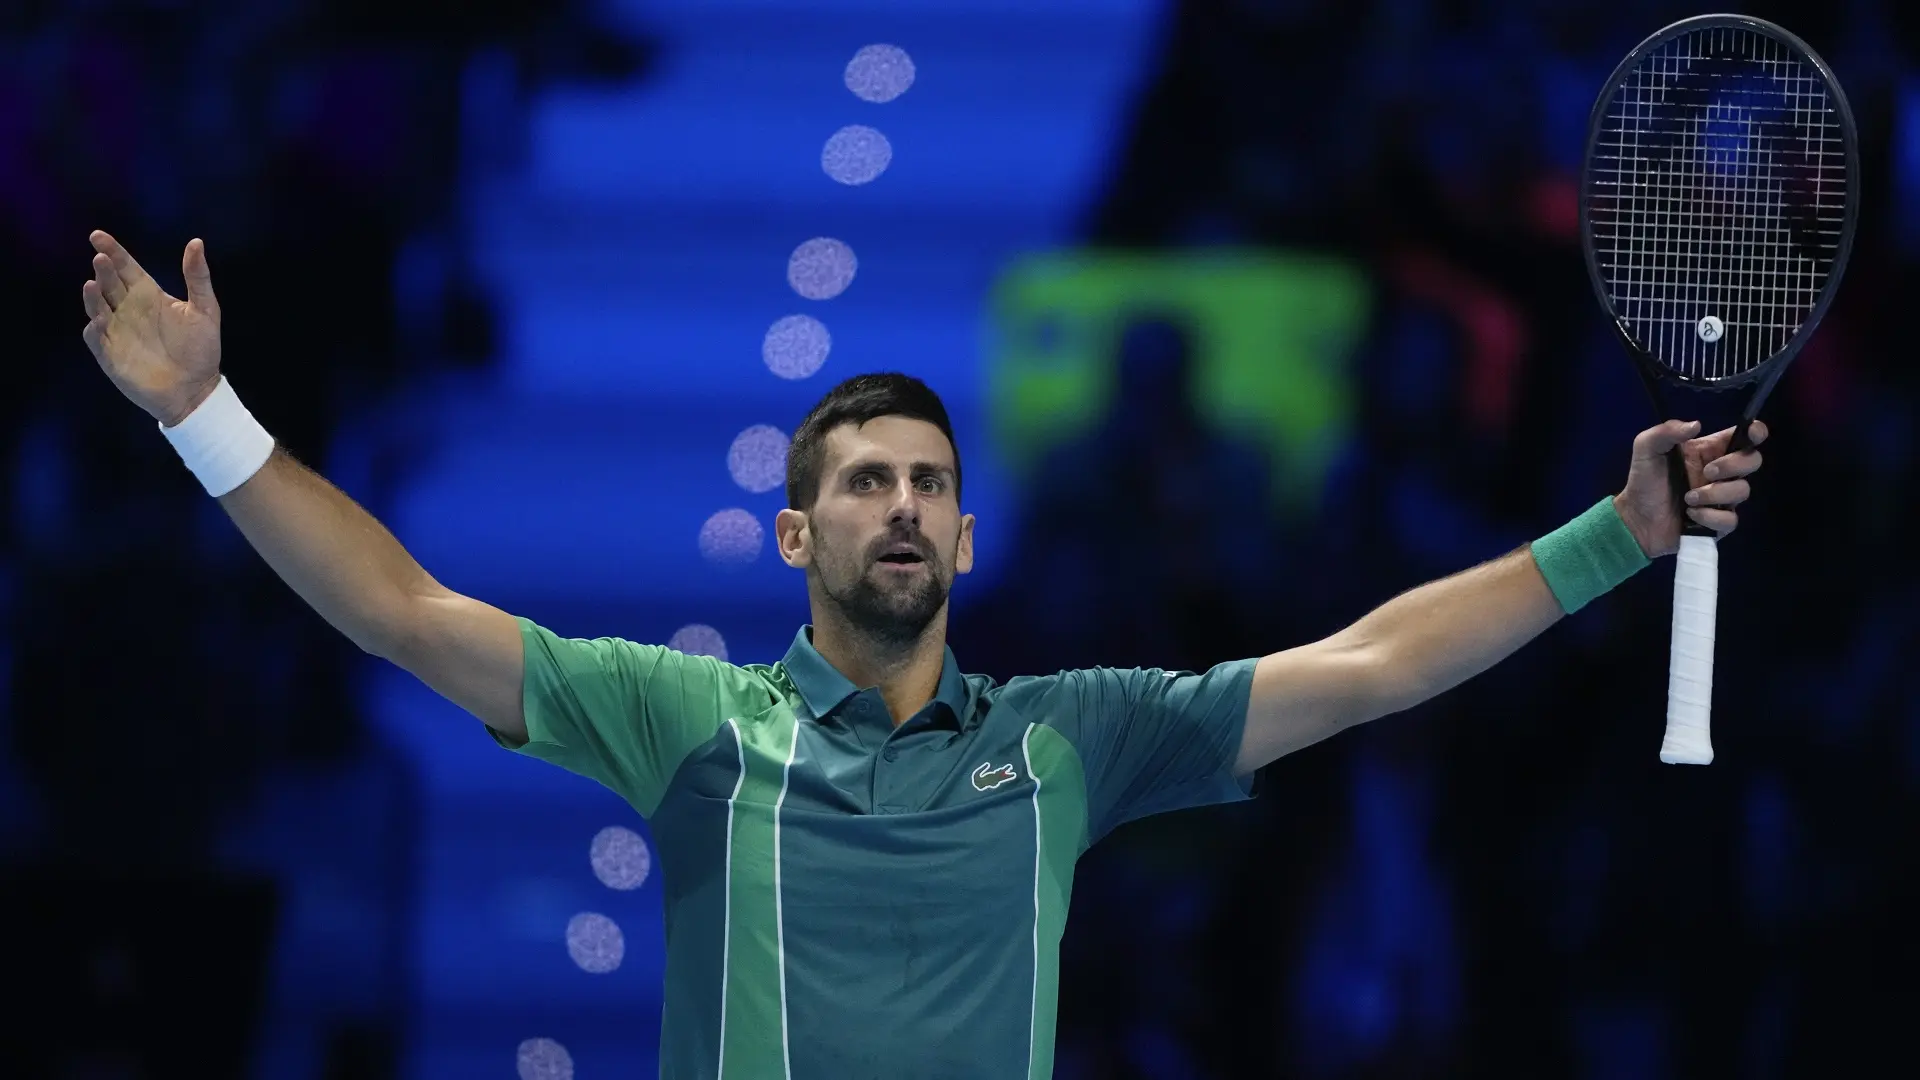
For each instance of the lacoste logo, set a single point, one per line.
(986, 777)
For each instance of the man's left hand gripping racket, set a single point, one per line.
(1717, 210)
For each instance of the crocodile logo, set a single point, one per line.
(986, 777)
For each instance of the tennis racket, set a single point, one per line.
(1717, 210)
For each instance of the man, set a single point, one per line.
(866, 854)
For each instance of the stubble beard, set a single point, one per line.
(889, 618)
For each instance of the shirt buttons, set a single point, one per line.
(890, 753)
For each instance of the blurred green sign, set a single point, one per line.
(1275, 334)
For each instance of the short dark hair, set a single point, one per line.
(856, 401)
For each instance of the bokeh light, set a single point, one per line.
(699, 639)
(758, 458)
(821, 268)
(879, 73)
(856, 154)
(620, 858)
(731, 538)
(595, 943)
(796, 346)
(543, 1059)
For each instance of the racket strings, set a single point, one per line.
(1717, 199)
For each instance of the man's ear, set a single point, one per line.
(963, 552)
(796, 542)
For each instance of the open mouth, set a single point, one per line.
(902, 555)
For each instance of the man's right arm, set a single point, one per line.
(622, 713)
(164, 355)
(357, 576)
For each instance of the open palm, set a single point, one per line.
(163, 353)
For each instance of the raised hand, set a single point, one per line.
(163, 353)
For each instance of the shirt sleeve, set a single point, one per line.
(623, 713)
(1152, 740)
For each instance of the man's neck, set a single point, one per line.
(908, 676)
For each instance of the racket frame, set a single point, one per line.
(1766, 373)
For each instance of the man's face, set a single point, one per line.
(885, 536)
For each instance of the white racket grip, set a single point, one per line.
(1696, 595)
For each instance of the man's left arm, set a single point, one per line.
(1435, 637)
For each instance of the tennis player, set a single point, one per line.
(866, 852)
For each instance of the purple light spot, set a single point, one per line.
(879, 73)
(856, 154)
(796, 346)
(731, 538)
(544, 1059)
(620, 858)
(595, 943)
(821, 268)
(699, 639)
(758, 458)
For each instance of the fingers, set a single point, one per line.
(1716, 444)
(122, 261)
(1710, 504)
(1744, 463)
(1720, 464)
(1720, 521)
(1658, 440)
(193, 266)
(1724, 493)
(95, 331)
(112, 289)
(95, 303)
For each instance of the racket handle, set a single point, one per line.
(1696, 595)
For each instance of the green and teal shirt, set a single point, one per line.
(847, 899)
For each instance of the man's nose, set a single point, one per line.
(906, 508)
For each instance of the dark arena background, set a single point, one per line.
(1250, 314)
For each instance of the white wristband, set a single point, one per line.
(221, 442)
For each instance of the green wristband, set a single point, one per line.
(1588, 556)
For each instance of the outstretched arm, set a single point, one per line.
(1435, 637)
(358, 577)
(164, 355)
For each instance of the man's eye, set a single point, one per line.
(931, 485)
(865, 482)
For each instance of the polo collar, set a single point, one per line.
(825, 689)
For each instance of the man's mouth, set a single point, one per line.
(902, 556)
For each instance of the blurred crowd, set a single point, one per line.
(154, 670)
(314, 147)
(1502, 882)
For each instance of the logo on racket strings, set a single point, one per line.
(1710, 328)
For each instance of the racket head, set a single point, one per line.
(1694, 199)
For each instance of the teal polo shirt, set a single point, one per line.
(846, 899)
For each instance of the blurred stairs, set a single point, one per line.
(635, 243)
